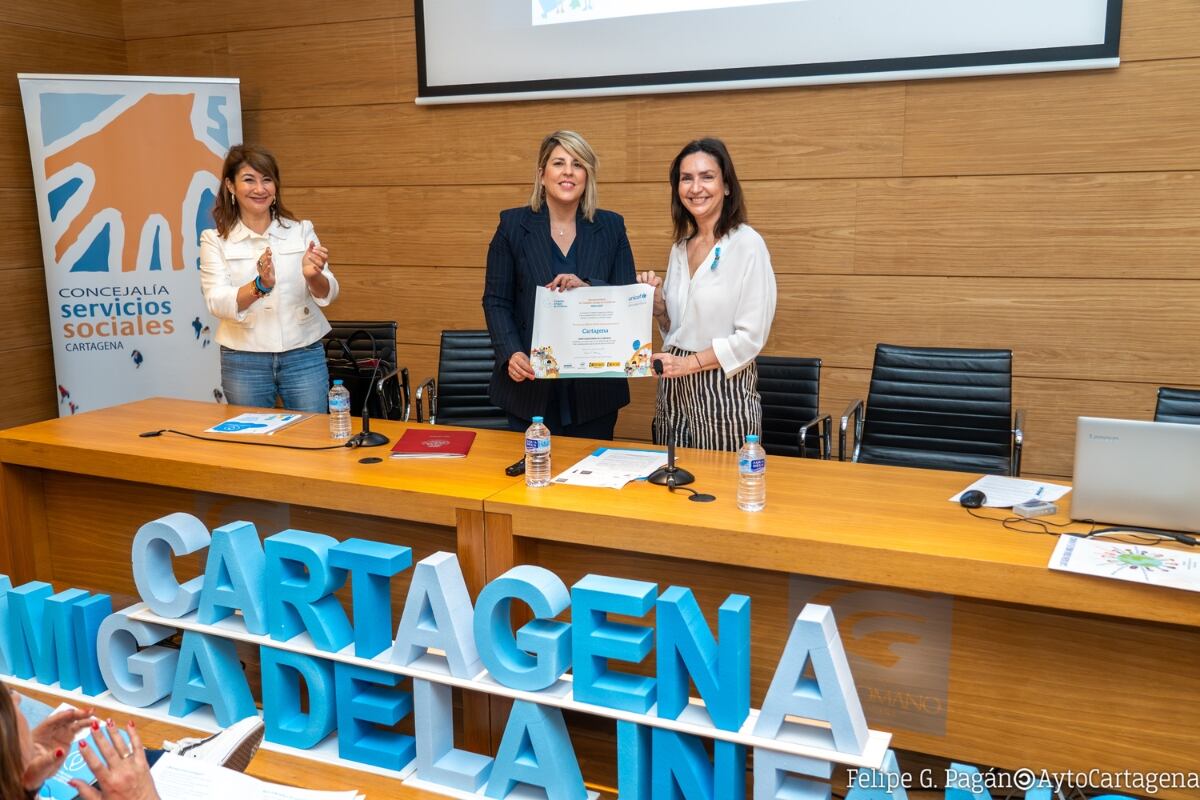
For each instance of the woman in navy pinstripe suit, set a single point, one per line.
(561, 240)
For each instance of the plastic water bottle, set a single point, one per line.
(537, 454)
(752, 475)
(339, 411)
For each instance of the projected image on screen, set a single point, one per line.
(546, 12)
(473, 51)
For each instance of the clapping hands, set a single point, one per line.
(315, 259)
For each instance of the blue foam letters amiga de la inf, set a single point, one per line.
(284, 586)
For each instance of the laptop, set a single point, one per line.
(1131, 472)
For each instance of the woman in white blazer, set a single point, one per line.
(266, 277)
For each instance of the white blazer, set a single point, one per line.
(287, 318)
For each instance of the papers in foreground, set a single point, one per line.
(613, 467)
(178, 778)
(1157, 566)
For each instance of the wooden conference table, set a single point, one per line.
(1014, 665)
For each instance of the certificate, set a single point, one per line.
(593, 332)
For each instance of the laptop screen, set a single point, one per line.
(1132, 472)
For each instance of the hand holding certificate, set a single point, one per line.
(593, 332)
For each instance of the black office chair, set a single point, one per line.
(1177, 405)
(792, 425)
(459, 396)
(352, 351)
(938, 408)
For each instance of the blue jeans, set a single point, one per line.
(299, 376)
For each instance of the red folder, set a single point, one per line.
(433, 444)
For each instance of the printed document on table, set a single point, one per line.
(593, 332)
(1005, 492)
(1137, 563)
(613, 467)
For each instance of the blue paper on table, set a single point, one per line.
(73, 768)
(256, 423)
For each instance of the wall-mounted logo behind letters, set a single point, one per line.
(898, 644)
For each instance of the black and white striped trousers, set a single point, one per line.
(707, 410)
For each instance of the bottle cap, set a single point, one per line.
(537, 419)
(337, 382)
(751, 437)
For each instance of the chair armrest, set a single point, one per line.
(826, 423)
(406, 392)
(855, 411)
(405, 397)
(1018, 439)
(431, 385)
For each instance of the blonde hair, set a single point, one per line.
(578, 147)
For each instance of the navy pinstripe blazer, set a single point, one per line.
(519, 260)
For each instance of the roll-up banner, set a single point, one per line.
(126, 171)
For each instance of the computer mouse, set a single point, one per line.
(972, 499)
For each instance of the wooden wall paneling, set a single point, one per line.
(15, 169)
(1142, 116)
(90, 17)
(18, 220)
(190, 56)
(27, 394)
(26, 323)
(1158, 29)
(422, 300)
(147, 19)
(334, 64)
(1108, 225)
(498, 142)
(406, 144)
(29, 49)
(331, 146)
(1084, 329)
(811, 132)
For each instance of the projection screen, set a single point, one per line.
(493, 50)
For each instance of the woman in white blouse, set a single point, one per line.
(714, 309)
(266, 277)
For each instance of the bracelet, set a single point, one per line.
(259, 289)
(698, 362)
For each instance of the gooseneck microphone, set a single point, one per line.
(368, 437)
(670, 475)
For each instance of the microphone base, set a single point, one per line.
(677, 475)
(372, 439)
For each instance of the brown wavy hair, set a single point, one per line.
(261, 160)
(733, 211)
(12, 763)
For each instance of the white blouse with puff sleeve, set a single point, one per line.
(287, 318)
(728, 304)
